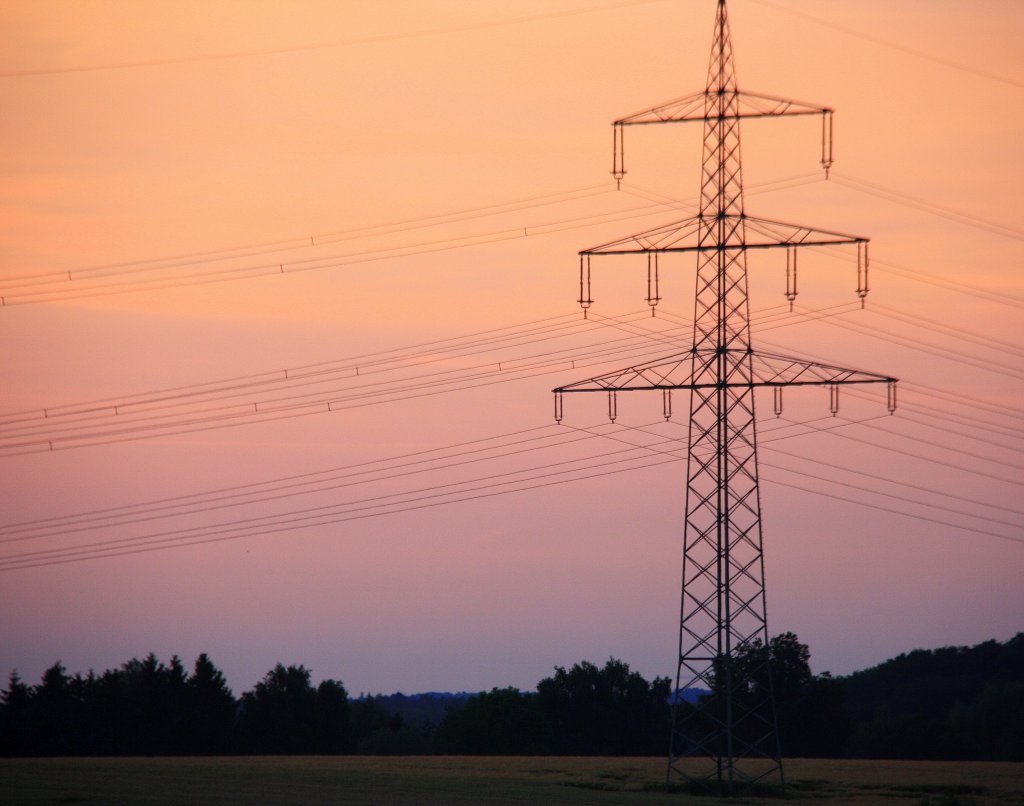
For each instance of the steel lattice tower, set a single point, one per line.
(723, 632)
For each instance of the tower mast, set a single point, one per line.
(728, 734)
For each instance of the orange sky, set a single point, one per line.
(370, 114)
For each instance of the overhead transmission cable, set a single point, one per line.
(306, 241)
(971, 401)
(887, 43)
(431, 460)
(51, 286)
(876, 477)
(563, 322)
(272, 268)
(944, 328)
(417, 499)
(895, 268)
(916, 414)
(948, 213)
(948, 353)
(315, 46)
(250, 412)
(42, 429)
(361, 389)
(409, 500)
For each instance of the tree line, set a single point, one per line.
(958, 702)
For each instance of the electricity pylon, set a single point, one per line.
(724, 728)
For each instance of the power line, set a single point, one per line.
(311, 483)
(387, 228)
(901, 483)
(426, 461)
(973, 422)
(947, 420)
(879, 508)
(335, 399)
(904, 271)
(212, 276)
(873, 476)
(948, 213)
(53, 286)
(961, 399)
(931, 460)
(1013, 82)
(338, 43)
(355, 505)
(414, 500)
(354, 366)
(1013, 412)
(878, 477)
(907, 273)
(948, 353)
(141, 417)
(305, 241)
(923, 322)
(405, 502)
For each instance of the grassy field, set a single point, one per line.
(463, 780)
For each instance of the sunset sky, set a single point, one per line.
(286, 287)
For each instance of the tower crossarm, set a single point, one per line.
(696, 234)
(719, 104)
(686, 371)
(748, 105)
(688, 234)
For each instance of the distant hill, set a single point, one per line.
(954, 702)
(421, 711)
(948, 703)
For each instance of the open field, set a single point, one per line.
(355, 780)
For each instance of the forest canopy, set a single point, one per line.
(949, 703)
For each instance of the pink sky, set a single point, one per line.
(392, 120)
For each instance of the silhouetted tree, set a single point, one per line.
(503, 721)
(367, 715)
(812, 717)
(608, 711)
(331, 720)
(814, 721)
(955, 702)
(14, 715)
(285, 714)
(990, 727)
(149, 703)
(53, 715)
(941, 703)
(211, 709)
(277, 715)
(373, 729)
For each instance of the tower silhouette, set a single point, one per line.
(724, 727)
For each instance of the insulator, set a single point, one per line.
(585, 301)
(613, 410)
(826, 140)
(777, 400)
(891, 396)
(666, 403)
(791, 275)
(862, 271)
(618, 154)
(653, 296)
(833, 398)
(558, 407)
